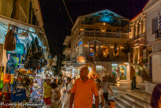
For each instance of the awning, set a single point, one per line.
(27, 27)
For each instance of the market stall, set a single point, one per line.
(24, 55)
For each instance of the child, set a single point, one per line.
(111, 104)
(55, 95)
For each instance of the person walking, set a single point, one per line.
(100, 92)
(67, 93)
(55, 95)
(47, 93)
(83, 90)
(133, 83)
(106, 87)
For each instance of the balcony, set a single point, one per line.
(158, 34)
(107, 59)
(138, 36)
(104, 34)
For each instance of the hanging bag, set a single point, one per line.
(10, 43)
(19, 47)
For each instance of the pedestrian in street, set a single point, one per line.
(67, 93)
(106, 87)
(55, 95)
(156, 97)
(111, 104)
(83, 90)
(133, 83)
(100, 92)
(47, 93)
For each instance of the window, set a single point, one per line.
(154, 25)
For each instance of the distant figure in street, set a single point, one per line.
(111, 104)
(83, 90)
(156, 97)
(106, 87)
(133, 83)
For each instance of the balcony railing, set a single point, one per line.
(138, 36)
(158, 34)
(107, 59)
(105, 34)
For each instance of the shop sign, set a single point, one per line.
(81, 59)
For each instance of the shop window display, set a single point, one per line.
(119, 71)
(105, 51)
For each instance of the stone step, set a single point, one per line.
(137, 99)
(130, 101)
(121, 103)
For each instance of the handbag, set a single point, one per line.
(18, 95)
(19, 49)
(10, 42)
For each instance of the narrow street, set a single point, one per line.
(80, 54)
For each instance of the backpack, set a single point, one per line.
(10, 42)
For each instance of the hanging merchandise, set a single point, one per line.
(12, 79)
(22, 71)
(10, 42)
(29, 72)
(1, 76)
(7, 78)
(1, 84)
(13, 61)
(19, 49)
(18, 95)
(4, 96)
(33, 55)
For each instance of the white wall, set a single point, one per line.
(150, 15)
(156, 68)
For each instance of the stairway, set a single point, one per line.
(127, 100)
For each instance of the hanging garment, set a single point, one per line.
(10, 42)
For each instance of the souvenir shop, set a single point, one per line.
(120, 71)
(23, 56)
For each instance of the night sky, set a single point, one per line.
(57, 23)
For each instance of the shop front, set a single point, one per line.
(120, 71)
(22, 58)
